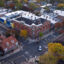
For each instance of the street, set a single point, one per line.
(30, 50)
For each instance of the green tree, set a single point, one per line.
(1, 3)
(47, 59)
(56, 49)
(33, 6)
(18, 4)
(40, 34)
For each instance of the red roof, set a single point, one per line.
(2, 37)
(9, 43)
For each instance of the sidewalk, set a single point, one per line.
(33, 59)
(15, 51)
(36, 40)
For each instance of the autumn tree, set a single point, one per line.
(55, 52)
(12, 25)
(26, 1)
(23, 33)
(18, 4)
(60, 6)
(38, 1)
(33, 6)
(47, 59)
(56, 49)
(59, 25)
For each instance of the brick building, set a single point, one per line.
(33, 30)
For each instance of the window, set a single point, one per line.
(5, 49)
(16, 43)
(12, 41)
(7, 43)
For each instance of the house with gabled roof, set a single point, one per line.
(8, 45)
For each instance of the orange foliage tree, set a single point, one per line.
(55, 52)
(23, 33)
(56, 49)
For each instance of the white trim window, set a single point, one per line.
(7, 43)
(5, 49)
(16, 43)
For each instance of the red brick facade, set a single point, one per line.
(33, 29)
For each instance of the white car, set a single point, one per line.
(40, 48)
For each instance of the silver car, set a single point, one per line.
(40, 48)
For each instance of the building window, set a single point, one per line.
(7, 43)
(16, 43)
(12, 41)
(5, 49)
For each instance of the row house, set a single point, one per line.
(42, 28)
(33, 30)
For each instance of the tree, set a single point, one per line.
(47, 9)
(40, 34)
(54, 54)
(56, 49)
(18, 4)
(8, 33)
(60, 6)
(47, 59)
(1, 3)
(33, 6)
(58, 1)
(12, 25)
(12, 32)
(26, 1)
(38, 1)
(23, 33)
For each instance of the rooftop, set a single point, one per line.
(30, 22)
(30, 18)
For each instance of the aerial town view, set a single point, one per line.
(31, 31)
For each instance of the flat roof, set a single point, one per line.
(30, 18)
(59, 12)
(30, 22)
